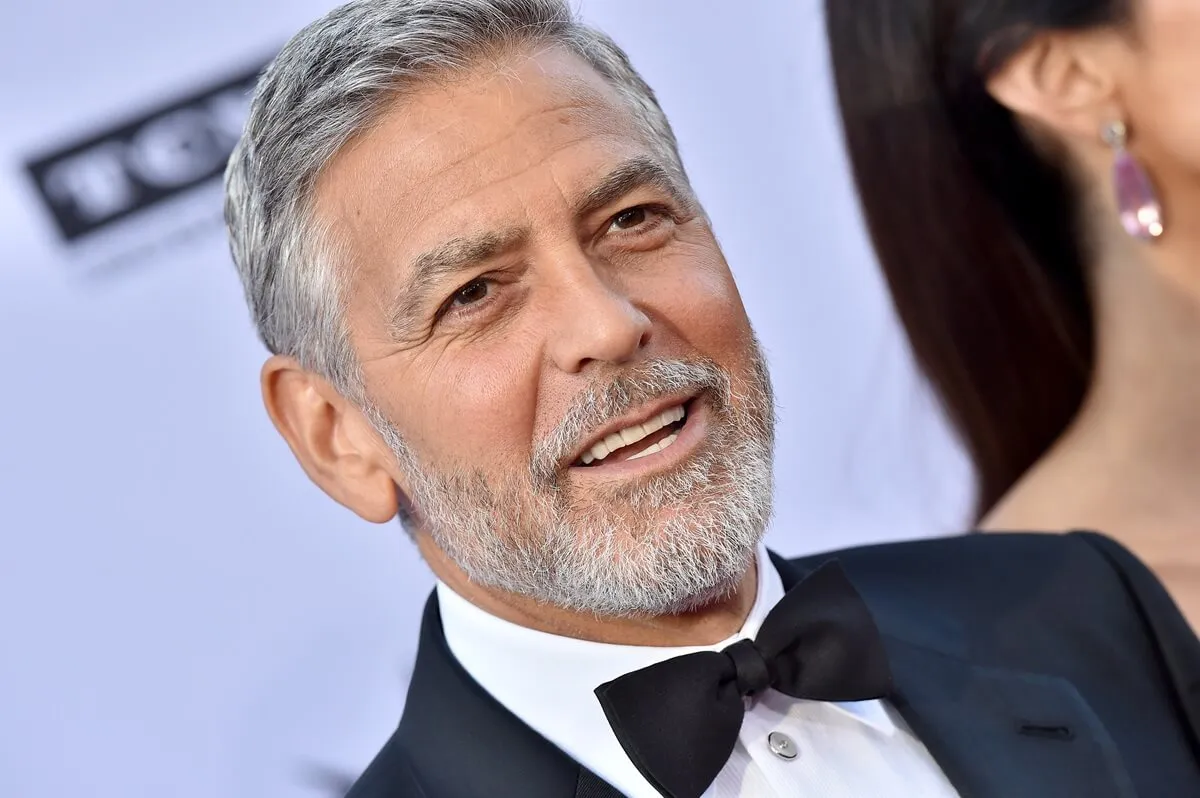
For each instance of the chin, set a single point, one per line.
(717, 594)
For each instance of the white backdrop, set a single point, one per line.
(181, 613)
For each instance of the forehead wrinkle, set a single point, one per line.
(588, 96)
(399, 158)
(583, 99)
(380, 169)
(592, 126)
(396, 210)
(578, 90)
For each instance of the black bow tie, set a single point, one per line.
(679, 720)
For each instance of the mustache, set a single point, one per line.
(600, 403)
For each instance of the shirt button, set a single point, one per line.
(782, 745)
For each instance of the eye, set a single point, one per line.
(629, 218)
(470, 293)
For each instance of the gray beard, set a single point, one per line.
(669, 544)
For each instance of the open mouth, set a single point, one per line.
(637, 441)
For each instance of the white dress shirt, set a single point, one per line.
(850, 750)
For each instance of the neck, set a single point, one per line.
(1130, 462)
(1143, 406)
(711, 622)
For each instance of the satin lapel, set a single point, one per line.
(998, 733)
(592, 786)
(462, 742)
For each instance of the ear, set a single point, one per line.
(337, 447)
(1066, 82)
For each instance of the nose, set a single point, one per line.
(594, 319)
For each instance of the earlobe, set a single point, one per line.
(1062, 82)
(330, 438)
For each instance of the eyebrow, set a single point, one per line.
(447, 259)
(628, 176)
(460, 254)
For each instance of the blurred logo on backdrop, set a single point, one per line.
(110, 174)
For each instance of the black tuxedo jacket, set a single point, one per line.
(1031, 666)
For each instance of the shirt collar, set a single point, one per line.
(548, 680)
(515, 658)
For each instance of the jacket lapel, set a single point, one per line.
(995, 732)
(460, 741)
(1175, 639)
(999, 733)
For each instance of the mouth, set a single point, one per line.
(653, 431)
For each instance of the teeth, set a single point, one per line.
(631, 435)
(658, 447)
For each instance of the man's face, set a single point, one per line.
(552, 342)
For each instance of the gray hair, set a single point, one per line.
(331, 81)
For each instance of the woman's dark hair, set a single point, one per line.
(978, 233)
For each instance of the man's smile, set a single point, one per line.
(652, 438)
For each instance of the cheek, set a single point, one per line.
(1175, 121)
(694, 294)
(471, 407)
(1167, 100)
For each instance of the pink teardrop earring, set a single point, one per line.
(1138, 205)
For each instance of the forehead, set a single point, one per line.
(476, 151)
